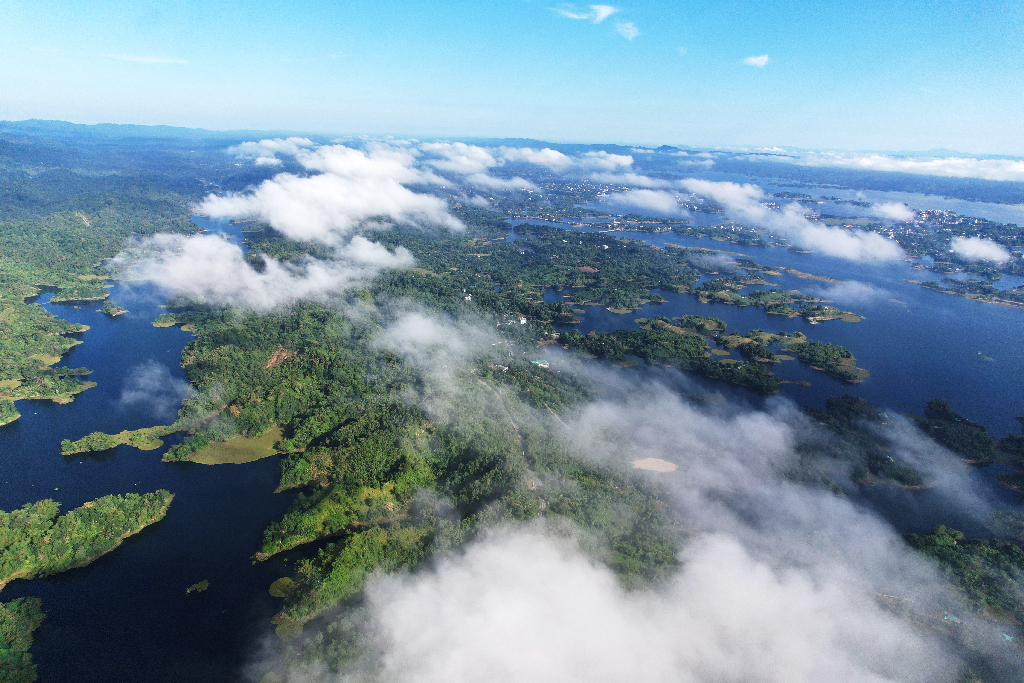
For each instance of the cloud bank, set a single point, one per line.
(212, 269)
(954, 167)
(743, 203)
(354, 186)
(523, 607)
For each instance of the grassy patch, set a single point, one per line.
(239, 449)
(282, 588)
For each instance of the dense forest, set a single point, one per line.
(18, 619)
(36, 540)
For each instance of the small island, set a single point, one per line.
(145, 439)
(831, 359)
(111, 309)
(774, 301)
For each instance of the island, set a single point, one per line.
(40, 542)
(111, 309)
(775, 301)
(145, 439)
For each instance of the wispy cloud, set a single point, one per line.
(744, 203)
(634, 179)
(953, 167)
(778, 582)
(141, 59)
(627, 29)
(264, 152)
(758, 61)
(597, 13)
(490, 182)
(656, 202)
(979, 249)
(897, 211)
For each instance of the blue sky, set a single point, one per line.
(910, 75)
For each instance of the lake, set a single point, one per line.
(126, 617)
(918, 344)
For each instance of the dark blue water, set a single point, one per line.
(126, 617)
(918, 344)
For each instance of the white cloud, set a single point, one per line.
(897, 211)
(682, 50)
(210, 268)
(147, 60)
(521, 606)
(458, 157)
(543, 157)
(979, 249)
(355, 186)
(490, 182)
(953, 167)
(758, 61)
(604, 161)
(473, 162)
(597, 13)
(602, 12)
(743, 203)
(265, 151)
(627, 29)
(630, 179)
(659, 202)
(850, 293)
